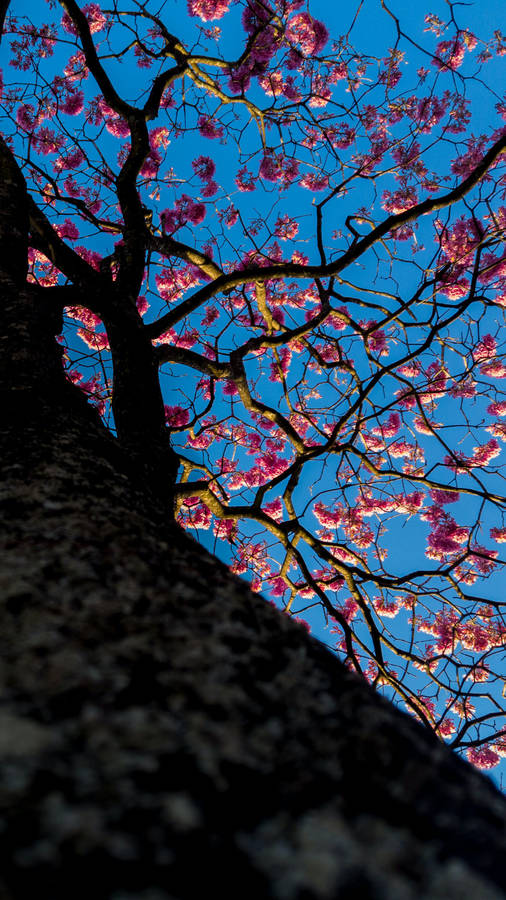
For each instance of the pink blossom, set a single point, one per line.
(274, 509)
(442, 497)
(398, 201)
(207, 10)
(73, 104)
(446, 538)
(239, 79)
(278, 168)
(70, 161)
(494, 369)
(486, 452)
(255, 15)
(204, 167)
(425, 426)
(67, 230)
(446, 728)
(210, 189)
(314, 182)
(342, 136)
(46, 141)
(499, 745)
(307, 33)
(451, 55)
(465, 164)
(497, 409)
(465, 389)
(231, 216)
(245, 180)
(286, 228)
(410, 370)
(321, 93)
(483, 559)
(94, 340)
(400, 448)
(209, 128)
(483, 757)
(196, 213)
(225, 529)
(142, 304)
(429, 112)
(485, 349)
(479, 674)
(390, 427)
(176, 416)
(91, 256)
(498, 534)
(26, 117)
(272, 84)
(409, 504)
(96, 19)
(151, 164)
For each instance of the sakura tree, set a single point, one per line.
(281, 264)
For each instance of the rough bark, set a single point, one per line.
(160, 725)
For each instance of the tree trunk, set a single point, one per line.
(161, 725)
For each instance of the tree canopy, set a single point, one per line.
(280, 259)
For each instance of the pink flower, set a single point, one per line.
(209, 128)
(207, 10)
(485, 349)
(94, 340)
(278, 168)
(451, 55)
(73, 104)
(314, 182)
(196, 213)
(26, 117)
(442, 497)
(274, 509)
(96, 19)
(245, 180)
(176, 416)
(204, 167)
(398, 201)
(70, 160)
(483, 757)
(142, 304)
(286, 228)
(67, 230)
(309, 34)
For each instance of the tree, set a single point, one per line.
(156, 712)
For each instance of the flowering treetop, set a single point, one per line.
(285, 257)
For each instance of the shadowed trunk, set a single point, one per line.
(160, 724)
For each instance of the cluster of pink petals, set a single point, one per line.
(497, 409)
(176, 416)
(97, 20)
(397, 201)
(204, 168)
(483, 757)
(308, 34)
(286, 228)
(209, 128)
(278, 168)
(185, 210)
(449, 55)
(73, 104)
(208, 10)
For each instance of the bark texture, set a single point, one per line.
(163, 731)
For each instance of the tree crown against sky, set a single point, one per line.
(281, 262)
